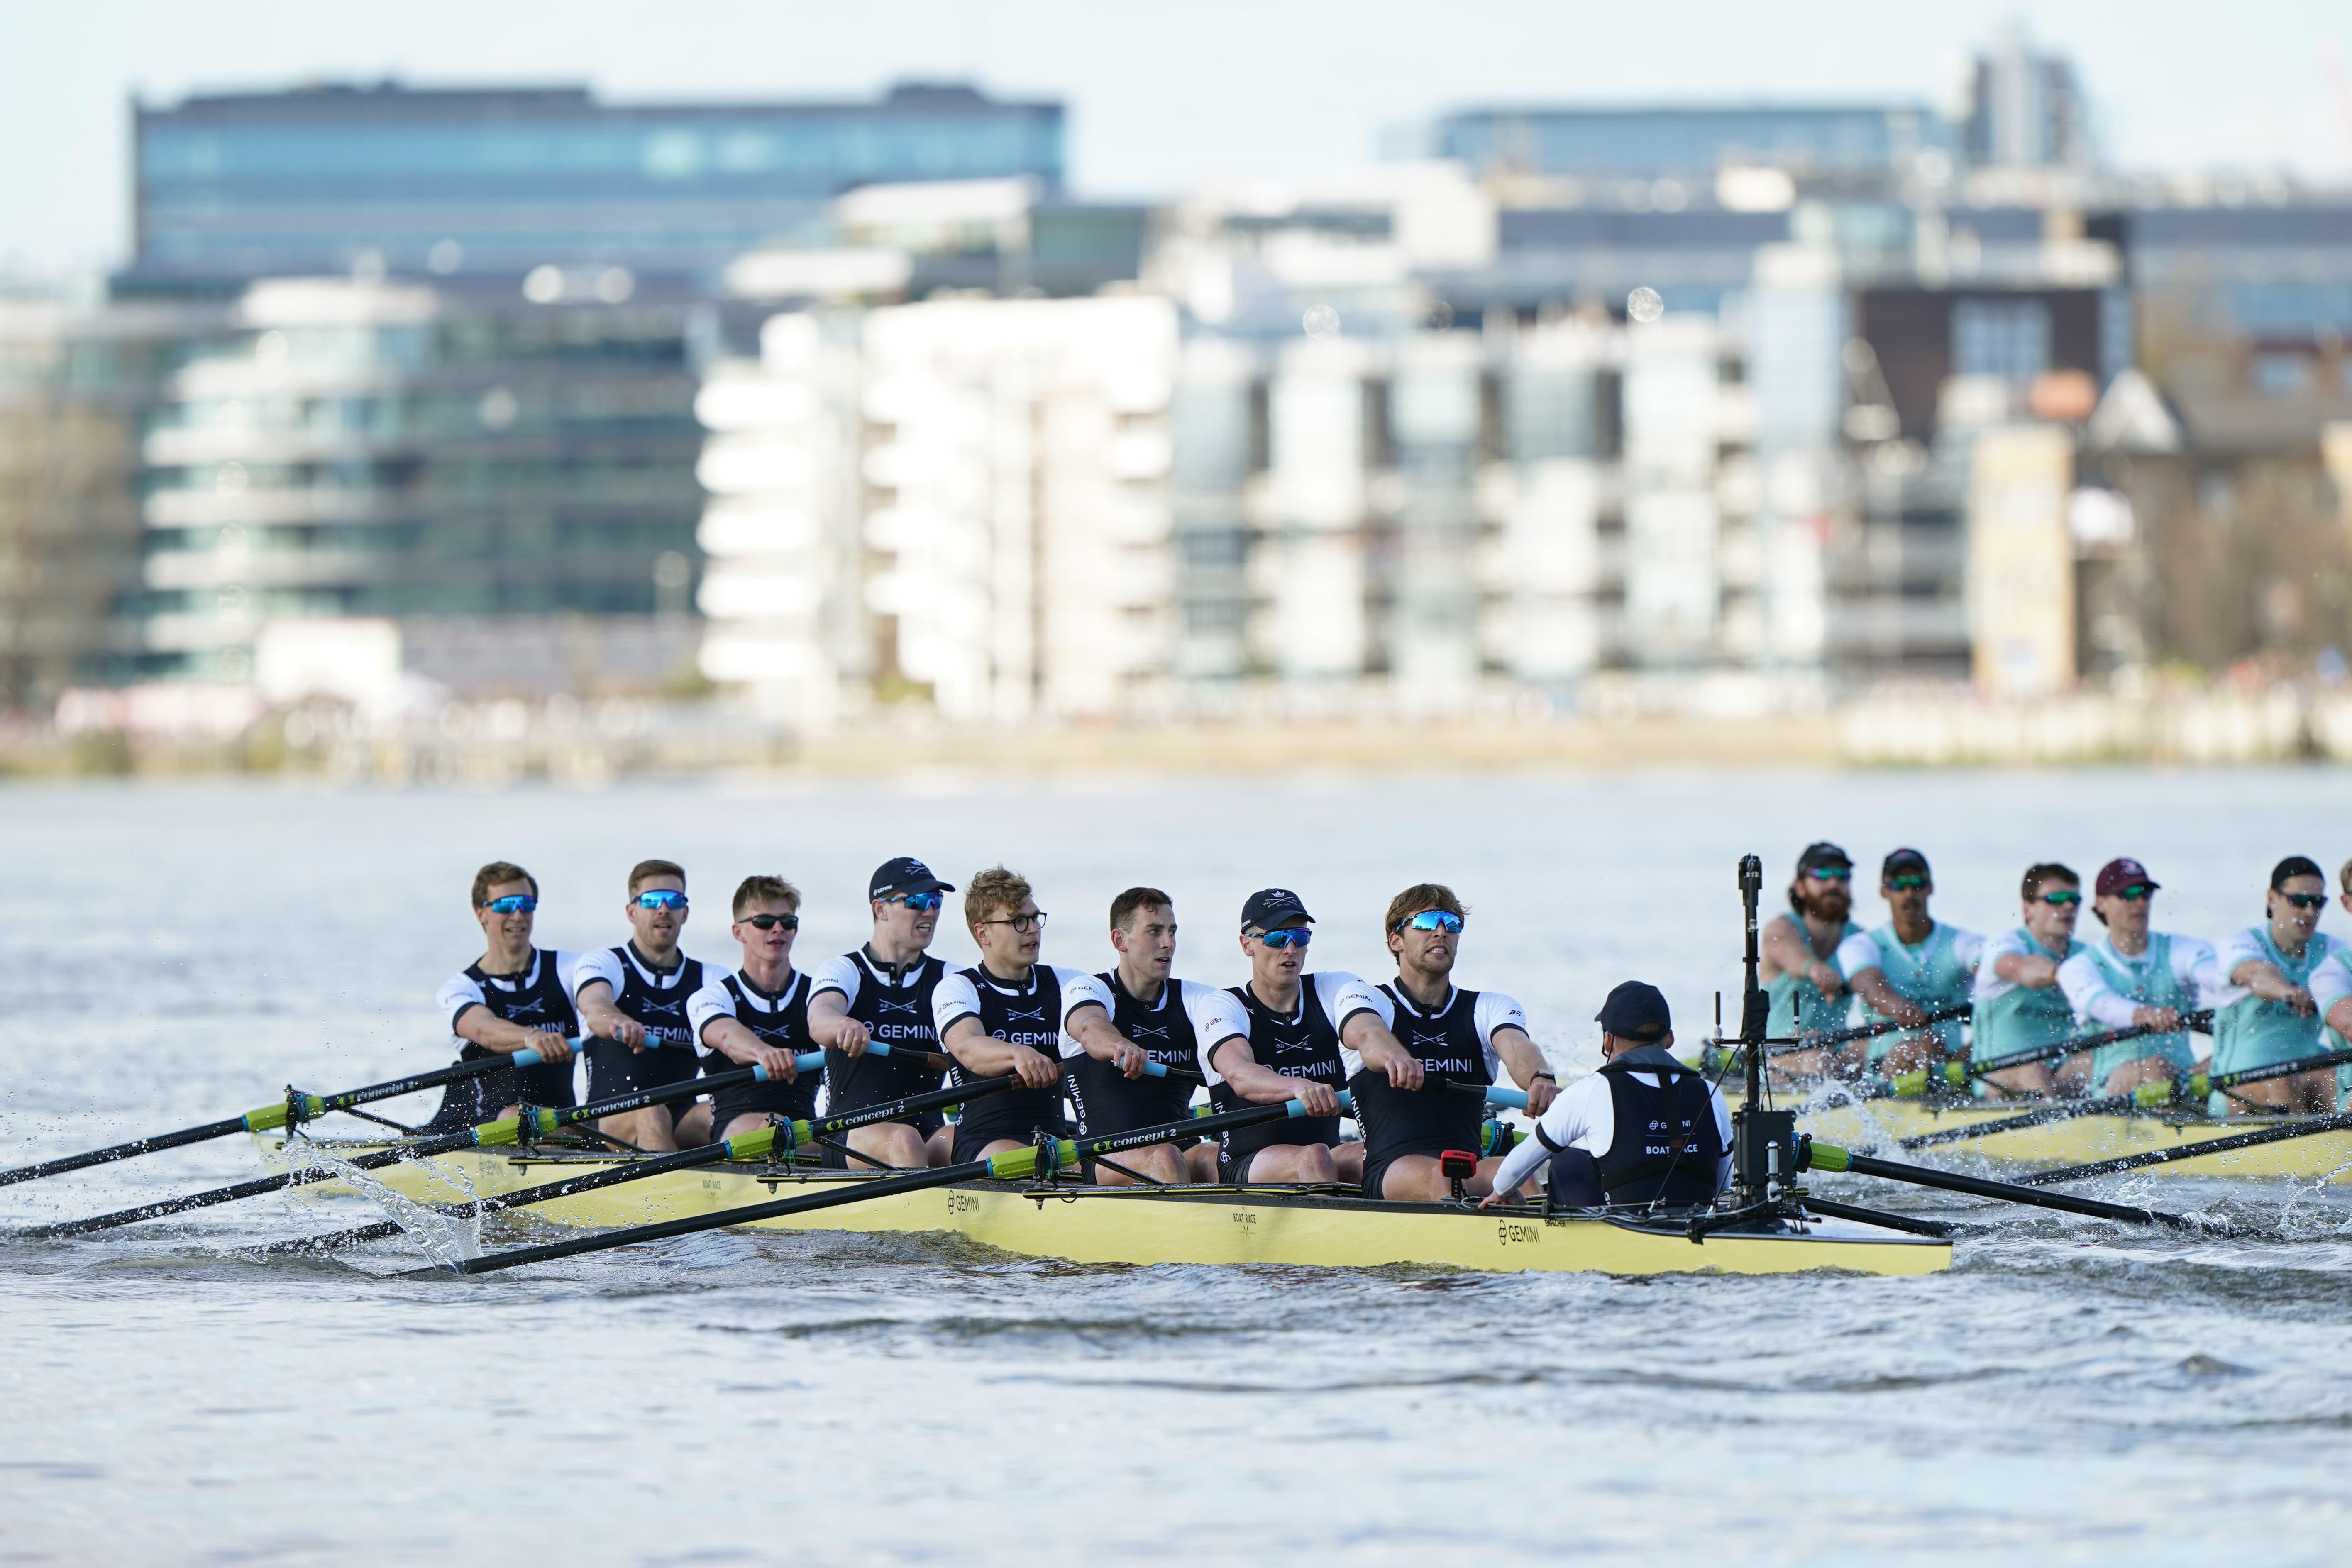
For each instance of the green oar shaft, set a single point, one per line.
(506, 1130)
(2222, 1145)
(1829, 1157)
(1013, 1165)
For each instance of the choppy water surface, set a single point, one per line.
(2072, 1390)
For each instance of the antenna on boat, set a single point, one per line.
(1763, 1141)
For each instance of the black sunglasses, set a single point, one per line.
(770, 922)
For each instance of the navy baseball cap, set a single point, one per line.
(1271, 909)
(1637, 1010)
(1817, 856)
(1904, 863)
(895, 878)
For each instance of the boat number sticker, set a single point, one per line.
(1509, 1231)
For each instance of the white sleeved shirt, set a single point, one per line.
(2332, 981)
(1342, 996)
(956, 996)
(1860, 952)
(2239, 946)
(1989, 985)
(1494, 1010)
(462, 991)
(1585, 1117)
(2096, 1001)
(713, 1001)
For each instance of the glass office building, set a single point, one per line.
(1858, 141)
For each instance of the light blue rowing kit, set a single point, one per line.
(2151, 984)
(2020, 1018)
(1814, 1013)
(2251, 1032)
(1932, 973)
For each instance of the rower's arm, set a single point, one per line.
(733, 1038)
(2263, 979)
(1882, 998)
(1090, 1026)
(492, 1033)
(1783, 943)
(598, 1016)
(1260, 1085)
(1527, 1068)
(984, 1056)
(1372, 1042)
(2036, 971)
(831, 1027)
(2339, 1017)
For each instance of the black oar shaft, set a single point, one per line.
(1867, 1031)
(2195, 1150)
(1825, 1157)
(225, 1128)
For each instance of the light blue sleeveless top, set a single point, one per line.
(1816, 1014)
(2021, 1017)
(2254, 1033)
(2151, 985)
(1930, 975)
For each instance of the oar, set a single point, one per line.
(1956, 1074)
(1492, 1093)
(758, 1145)
(2147, 1097)
(294, 1108)
(1830, 1157)
(506, 1130)
(2276, 1134)
(1866, 1031)
(1013, 1165)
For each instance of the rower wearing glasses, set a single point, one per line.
(1461, 1037)
(1300, 1028)
(1911, 967)
(632, 1001)
(2331, 994)
(759, 1014)
(1166, 1018)
(1011, 1015)
(2264, 1012)
(2017, 1004)
(883, 993)
(515, 997)
(2134, 977)
(1800, 953)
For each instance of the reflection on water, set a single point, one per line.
(2072, 1389)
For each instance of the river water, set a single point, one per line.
(2070, 1391)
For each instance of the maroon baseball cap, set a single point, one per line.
(2121, 873)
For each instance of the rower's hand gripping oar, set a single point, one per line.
(504, 1130)
(1012, 1165)
(1956, 1074)
(2149, 1097)
(292, 1110)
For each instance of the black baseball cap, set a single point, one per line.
(895, 878)
(1271, 909)
(1817, 856)
(1904, 863)
(1637, 1010)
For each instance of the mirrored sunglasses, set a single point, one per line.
(921, 903)
(1906, 882)
(2136, 892)
(1830, 873)
(513, 904)
(661, 899)
(1433, 920)
(2062, 899)
(1289, 936)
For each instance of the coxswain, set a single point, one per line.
(883, 993)
(1009, 1014)
(631, 1000)
(1799, 956)
(2016, 1003)
(2264, 1013)
(2331, 994)
(1457, 1037)
(2134, 977)
(1911, 967)
(1168, 1020)
(759, 1014)
(515, 997)
(1644, 1129)
(1300, 1027)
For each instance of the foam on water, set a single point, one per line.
(442, 1239)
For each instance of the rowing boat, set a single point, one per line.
(1213, 1225)
(1888, 1124)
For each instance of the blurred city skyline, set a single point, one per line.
(1169, 96)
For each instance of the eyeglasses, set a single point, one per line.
(2064, 898)
(2306, 900)
(770, 922)
(921, 903)
(1025, 924)
(513, 904)
(1289, 936)
(1906, 882)
(1430, 919)
(1830, 873)
(2136, 892)
(660, 898)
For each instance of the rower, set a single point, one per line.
(883, 993)
(1166, 1019)
(1645, 1128)
(2331, 994)
(759, 1014)
(1011, 1015)
(1299, 1027)
(1911, 967)
(2132, 977)
(1800, 953)
(2017, 1004)
(2264, 1012)
(515, 997)
(1462, 1036)
(631, 1000)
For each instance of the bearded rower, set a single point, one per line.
(759, 1014)
(1799, 954)
(1011, 1015)
(2264, 1012)
(632, 1001)
(1911, 967)
(1299, 1029)
(515, 997)
(2134, 977)
(2017, 1004)
(883, 993)
(1169, 1020)
(2331, 994)
(1462, 1036)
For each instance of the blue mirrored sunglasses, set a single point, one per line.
(661, 899)
(1289, 936)
(1433, 920)
(513, 904)
(921, 903)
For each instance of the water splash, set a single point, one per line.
(442, 1239)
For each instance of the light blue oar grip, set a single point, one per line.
(532, 1058)
(1513, 1098)
(807, 1061)
(1155, 1070)
(1347, 1102)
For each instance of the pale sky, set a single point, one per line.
(1162, 92)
